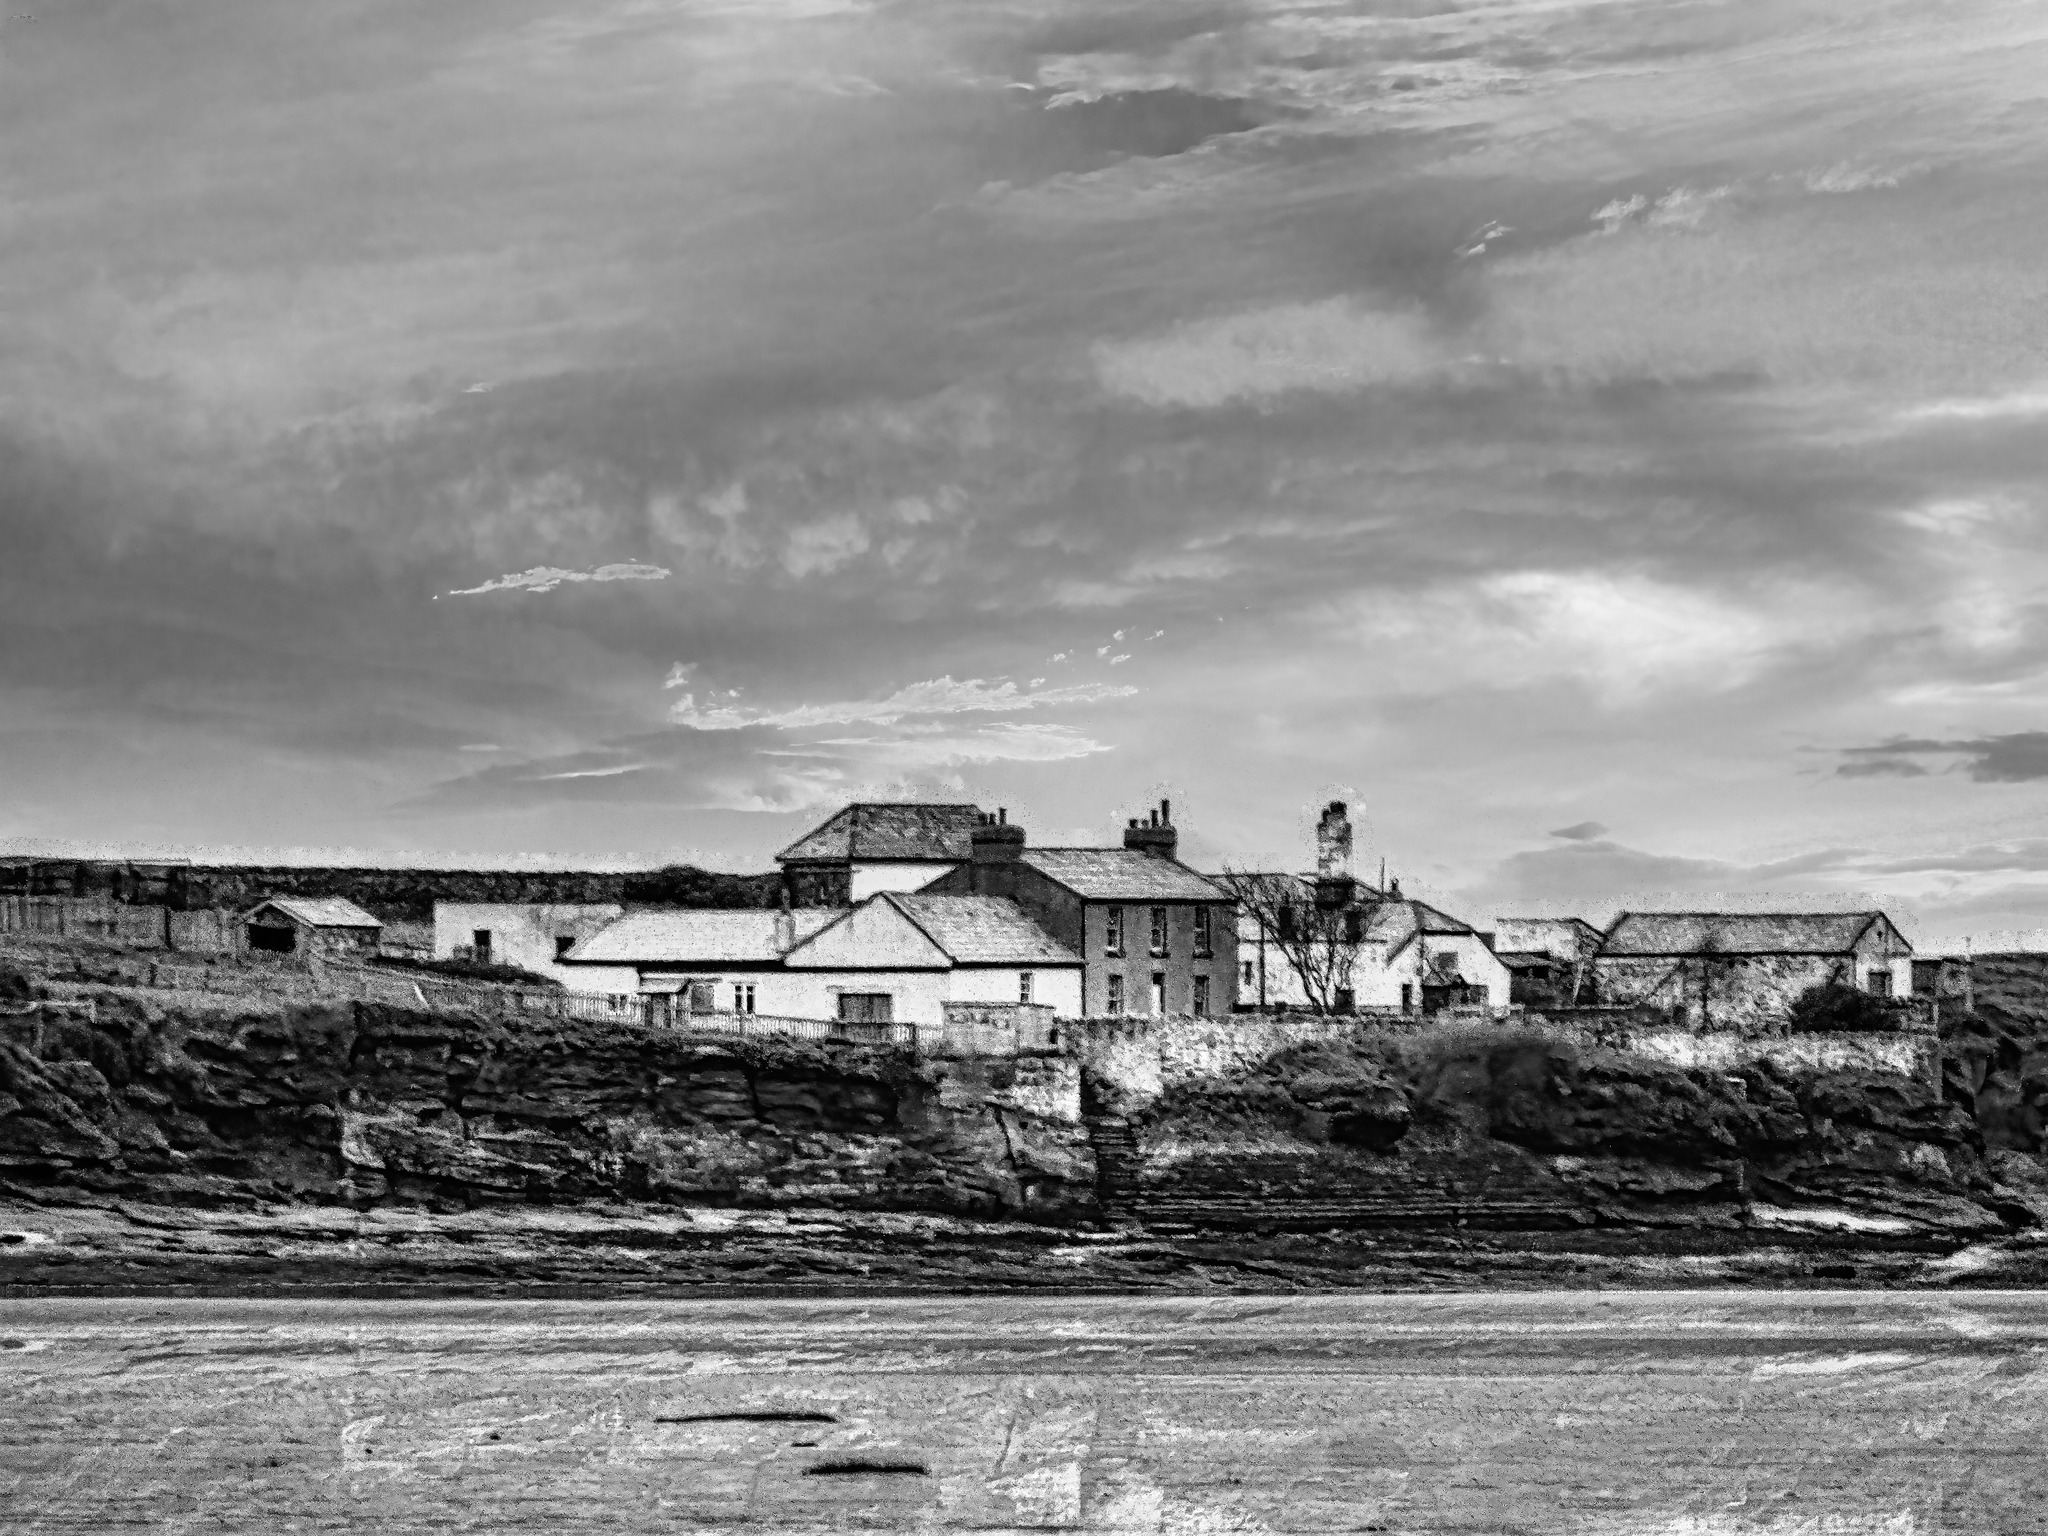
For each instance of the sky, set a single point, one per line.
(1602, 440)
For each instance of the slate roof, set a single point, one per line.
(321, 911)
(1122, 874)
(1566, 937)
(982, 930)
(889, 830)
(698, 936)
(1395, 923)
(1737, 933)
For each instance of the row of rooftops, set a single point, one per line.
(978, 930)
(965, 930)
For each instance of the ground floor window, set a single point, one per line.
(1247, 968)
(743, 997)
(277, 941)
(480, 945)
(1116, 996)
(1407, 997)
(1880, 983)
(1347, 1000)
(867, 1008)
(1202, 997)
(1159, 994)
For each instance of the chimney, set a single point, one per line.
(1155, 834)
(1334, 885)
(995, 848)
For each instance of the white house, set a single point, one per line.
(530, 935)
(896, 957)
(1390, 952)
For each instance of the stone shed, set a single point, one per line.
(1741, 972)
(328, 927)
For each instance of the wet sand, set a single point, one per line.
(1674, 1413)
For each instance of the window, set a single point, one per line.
(1879, 983)
(1407, 997)
(1346, 1001)
(564, 942)
(1116, 996)
(1202, 997)
(702, 996)
(743, 997)
(480, 945)
(1354, 926)
(1023, 986)
(1159, 994)
(1205, 941)
(1113, 931)
(1159, 930)
(1247, 968)
(867, 1007)
(1286, 920)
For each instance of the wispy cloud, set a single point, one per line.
(545, 578)
(2018, 757)
(1580, 832)
(938, 696)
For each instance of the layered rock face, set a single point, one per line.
(365, 1104)
(1527, 1125)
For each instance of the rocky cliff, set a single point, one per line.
(362, 1104)
(1265, 1149)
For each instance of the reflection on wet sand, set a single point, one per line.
(1674, 1414)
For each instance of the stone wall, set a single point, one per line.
(1138, 1059)
(1915, 1056)
(1739, 994)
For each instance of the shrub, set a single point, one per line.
(470, 970)
(1833, 1008)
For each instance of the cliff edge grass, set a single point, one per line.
(146, 1143)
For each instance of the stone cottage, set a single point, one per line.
(1742, 972)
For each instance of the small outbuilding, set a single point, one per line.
(327, 926)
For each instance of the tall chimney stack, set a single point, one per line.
(1334, 885)
(995, 848)
(1155, 834)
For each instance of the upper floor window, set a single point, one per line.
(1201, 1008)
(1205, 933)
(1115, 1003)
(1159, 930)
(1023, 986)
(1113, 931)
(564, 942)
(1354, 925)
(1286, 920)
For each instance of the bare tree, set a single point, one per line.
(1319, 943)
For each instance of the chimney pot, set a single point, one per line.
(1002, 816)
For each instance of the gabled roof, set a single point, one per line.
(1572, 936)
(885, 830)
(1122, 874)
(1397, 924)
(982, 930)
(722, 936)
(320, 911)
(1653, 934)
(873, 936)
